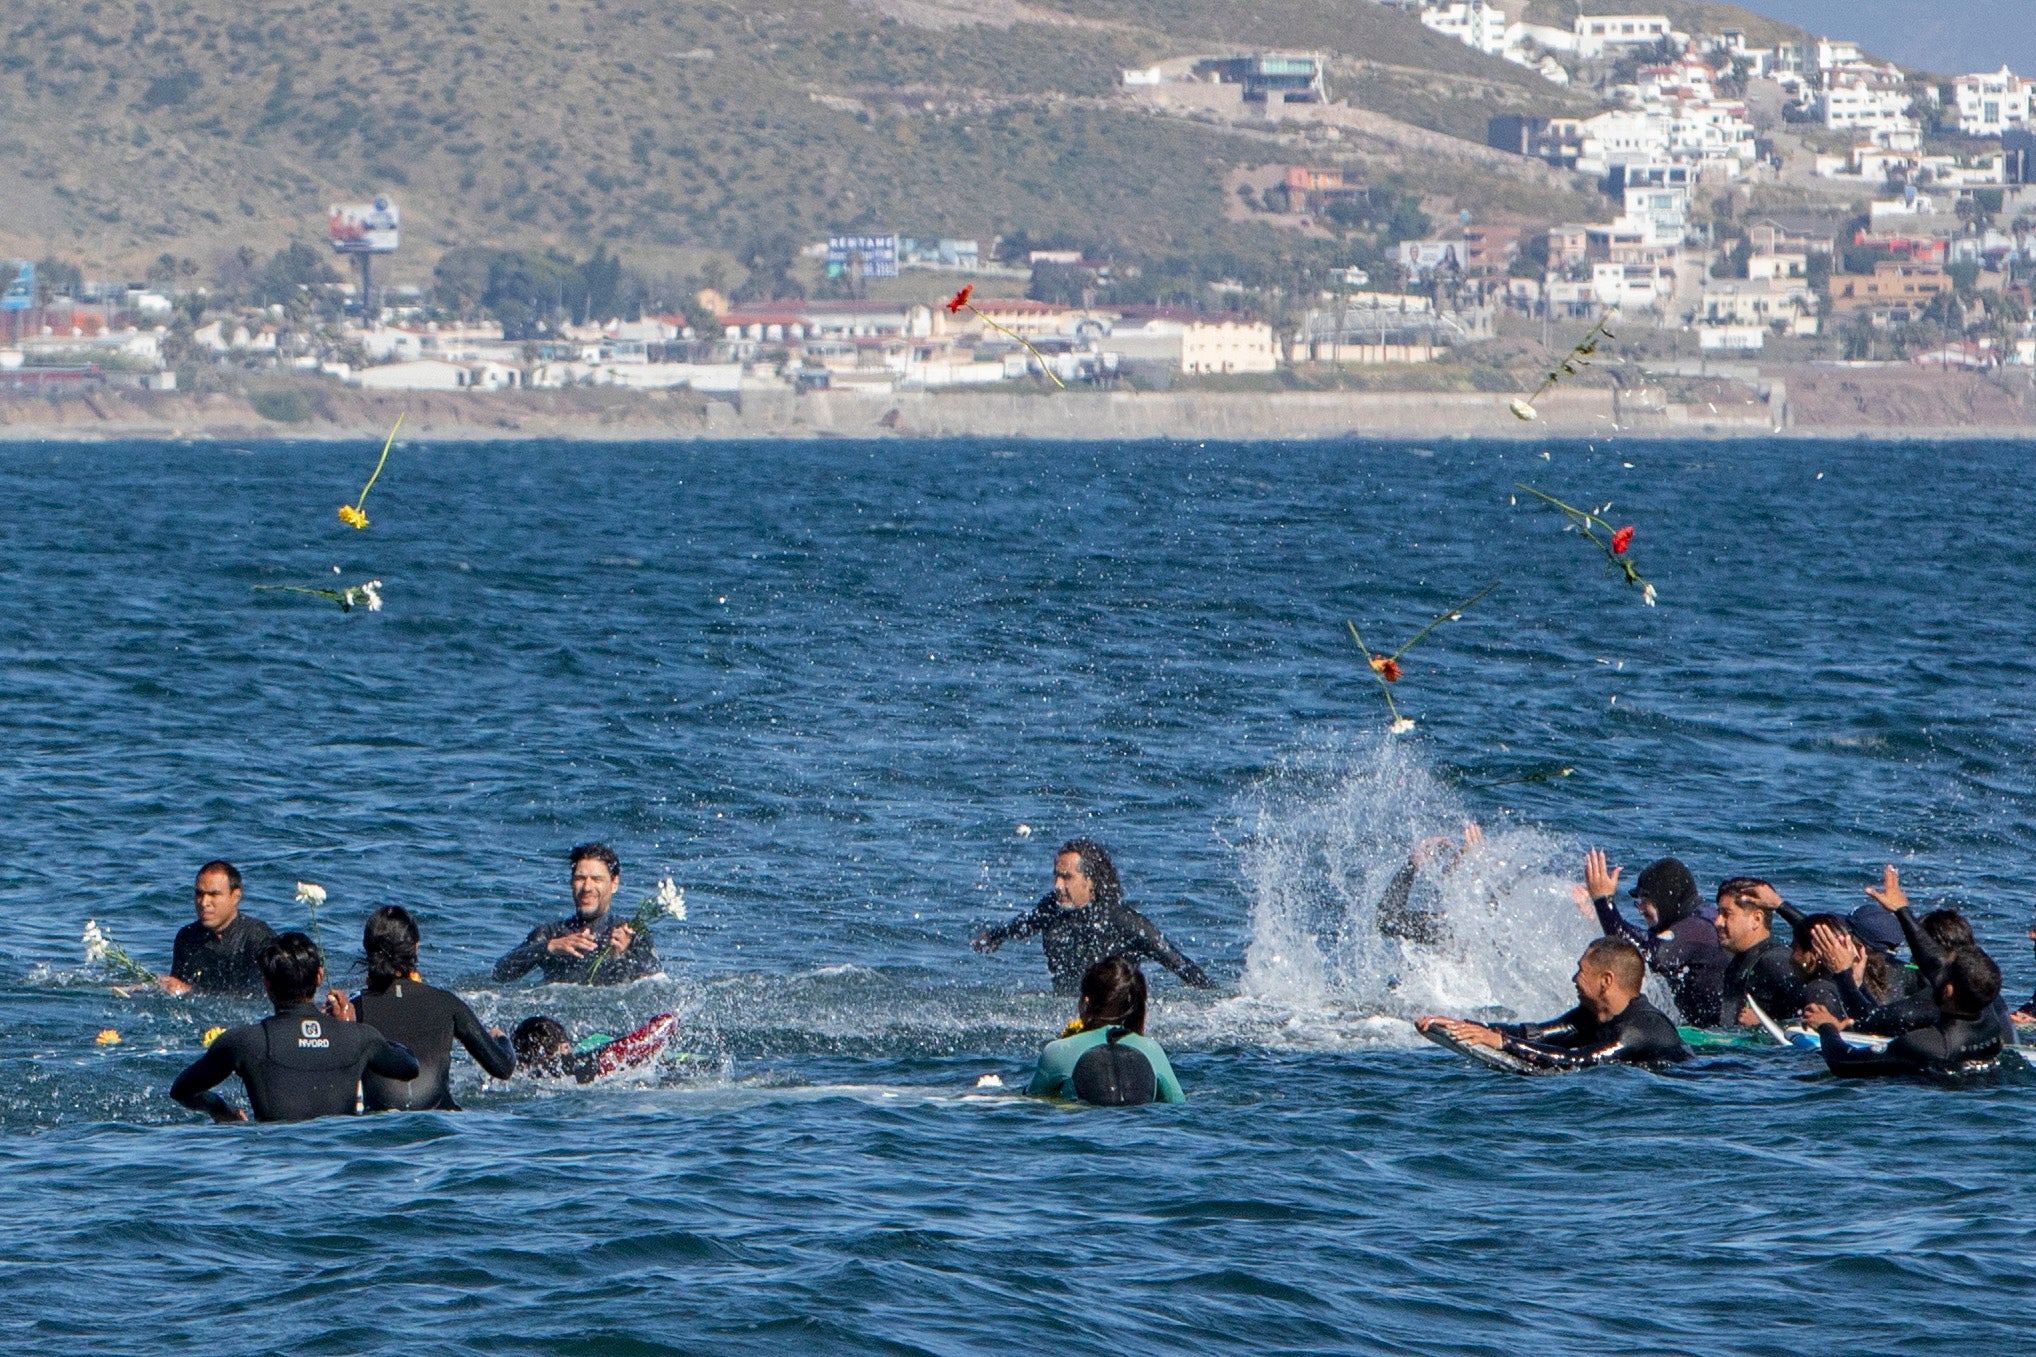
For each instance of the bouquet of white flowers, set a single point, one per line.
(101, 950)
(668, 901)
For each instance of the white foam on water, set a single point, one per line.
(1321, 840)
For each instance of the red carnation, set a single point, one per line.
(1621, 540)
(959, 299)
(1386, 667)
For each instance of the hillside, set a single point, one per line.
(129, 129)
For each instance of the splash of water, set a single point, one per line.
(1323, 841)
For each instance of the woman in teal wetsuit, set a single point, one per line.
(1106, 1059)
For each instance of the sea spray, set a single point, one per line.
(1322, 841)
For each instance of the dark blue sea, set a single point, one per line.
(850, 696)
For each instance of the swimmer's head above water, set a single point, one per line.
(1083, 875)
(597, 872)
(291, 969)
(1113, 995)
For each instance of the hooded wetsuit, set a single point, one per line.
(1764, 973)
(1640, 1034)
(1054, 1077)
(427, 1020)
(1951, 1045)
(224, 962)
(1075, 939)
(561, 969)
(1684, 951)
(296, 1065)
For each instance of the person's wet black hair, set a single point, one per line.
(1800, 939)
(1973, 982)
(1097, 867)
(1619, 957)
(1947, 928)
(540, 1040)
(290, 964)
(390, 942)
(601, 853)
(220, 865)
(1113, 995)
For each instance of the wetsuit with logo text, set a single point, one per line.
(297, 1065)
(1077, 938)
(564, 969)
(1640, 1034)
(427, 1020)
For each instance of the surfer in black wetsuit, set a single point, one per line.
(546, 1050)
(217, 952)
(398, 1004)
(1396, 915)
(1679, 944)
(1612, 1023)
(1966, 1037)
(299, 1064)
(568, 949)
(1760, 968)
(1933, 940)
(1085, 920)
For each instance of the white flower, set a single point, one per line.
(310, 893)
(95, 943)
(1522, 410)
(1402, 725)
(372, 591)
(670, 899)
(990, 1081)
(1025, 831)
(1647, 595)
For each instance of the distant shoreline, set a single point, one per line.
(1818, 407)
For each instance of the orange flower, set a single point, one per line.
(1621, 540)
(1386, 668)
(959, 299)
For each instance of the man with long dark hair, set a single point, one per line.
(1084, 920)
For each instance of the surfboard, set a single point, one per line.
(635, 1049)
(1704, 1039)
(1484, 1055)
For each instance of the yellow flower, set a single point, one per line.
(352, 517)
(212, 1034)
(109, 1037)
(1071, 1029)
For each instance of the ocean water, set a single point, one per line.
(851, 696)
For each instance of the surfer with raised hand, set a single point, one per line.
(298, 1064)
(1760, 969)
(1084, 920)
(591, 947)
(1678, 943)
(219, 951)
(1106, 1059)
(427, 1020)
(1933, 940)
(1966, 1037)
(1396, 915)
(1613, 1023)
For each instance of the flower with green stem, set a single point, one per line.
(355, 515)
(960, 302)
(365, 595)
(1386, 668)
(311, 894)
(1614, 543)
(101, 950)
(1573, 362)
(668, 901)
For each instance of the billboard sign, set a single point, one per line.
(364, 228)
(20, 294)
(878, 256)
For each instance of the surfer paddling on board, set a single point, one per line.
(427, 1020)
(299, 1064)
(591, 947)
(1966, 1038)
(1612, 1023)
(1679, 944)
(219, 951)
(1084, 920)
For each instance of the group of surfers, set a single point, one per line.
(389, 1046)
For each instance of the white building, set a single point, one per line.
(1853, 103)
(1474, 23)
(1228, 346)
(1989, 105)
(1661, 214)
(1595, 33)
(435, 374)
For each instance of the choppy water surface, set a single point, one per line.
(824, 686)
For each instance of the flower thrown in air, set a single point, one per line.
(670, 900)
(1572, 363)
(1401, 725)
(310, 893)
(1387, 667)
(960, 299)
(960, 302)
(352, 517)
(1615, 543)
(1621, 540)
(355, 515)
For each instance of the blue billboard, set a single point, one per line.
(20, 294)
(871, 256)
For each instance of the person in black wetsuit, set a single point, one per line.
(1679, 944)
(299, 1064)
(1612, 1023)
(546, 1050)
(398, 1004)
(1760, 968)
(1396, 916)
(1085, 920)
(1966, 1038)
(568, 949)
(217, 953)
(1933, 940)
(2026, 1014)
